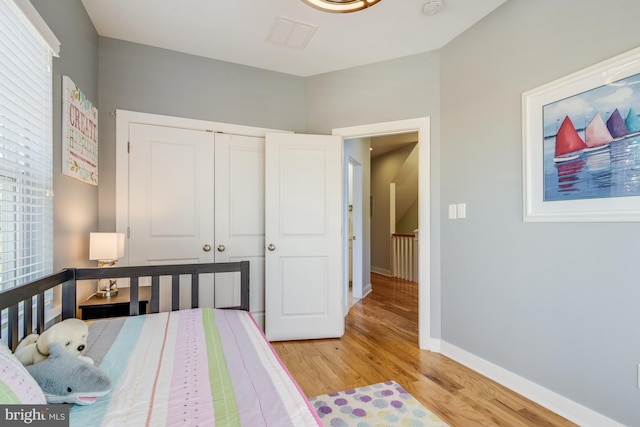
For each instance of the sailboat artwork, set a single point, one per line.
(569, 145)
(591, 143)
(597, 135)
(632, 122)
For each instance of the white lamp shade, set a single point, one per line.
(106, 246)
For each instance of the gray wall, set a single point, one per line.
(151, 80)
(75, 204)
(554, 303)
(409, 221)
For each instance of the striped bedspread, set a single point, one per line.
(191, 367)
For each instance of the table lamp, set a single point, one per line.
(106, 248)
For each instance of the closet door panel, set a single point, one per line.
(239, 216)
(170, 221)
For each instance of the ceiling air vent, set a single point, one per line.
(288, 33)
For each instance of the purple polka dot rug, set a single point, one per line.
(377, 405)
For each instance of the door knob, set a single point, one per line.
(206, 248)
(221, 248)
(271, 247)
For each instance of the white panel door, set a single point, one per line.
(303, 234)
(239, 217)
(171, 204)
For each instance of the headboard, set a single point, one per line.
(10, 299)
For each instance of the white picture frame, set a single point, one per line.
(568, 95)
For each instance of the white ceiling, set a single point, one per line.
(237, 30)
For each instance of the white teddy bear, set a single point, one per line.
(70, 333)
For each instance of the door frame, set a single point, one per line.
(423, 126)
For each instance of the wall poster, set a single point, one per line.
(581, 145)
(79, 134)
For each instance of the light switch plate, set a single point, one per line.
(462, 210)
(453, 212)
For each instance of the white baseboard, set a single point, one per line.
(366, 290)
(435, 345)
(562, 406)
(382, 271)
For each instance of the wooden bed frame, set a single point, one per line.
(10, 299)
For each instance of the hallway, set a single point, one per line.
(381, 343)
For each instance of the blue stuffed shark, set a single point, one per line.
(68, 379)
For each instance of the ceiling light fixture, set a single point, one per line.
(431, 7)
(340, 6)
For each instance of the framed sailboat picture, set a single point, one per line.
(581, 145)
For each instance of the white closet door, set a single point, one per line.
(304, 262)
(239, 216)
(171, 205)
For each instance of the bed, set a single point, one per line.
(196, 366)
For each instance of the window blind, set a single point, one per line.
(26, 205)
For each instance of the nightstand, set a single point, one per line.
(97, 307)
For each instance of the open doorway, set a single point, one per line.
(353, 224)
(422, 126)
(394, 189)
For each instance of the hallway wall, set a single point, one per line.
(383, 170)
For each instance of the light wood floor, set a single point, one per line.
(381, 343)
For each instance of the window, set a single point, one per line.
(26, 205)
